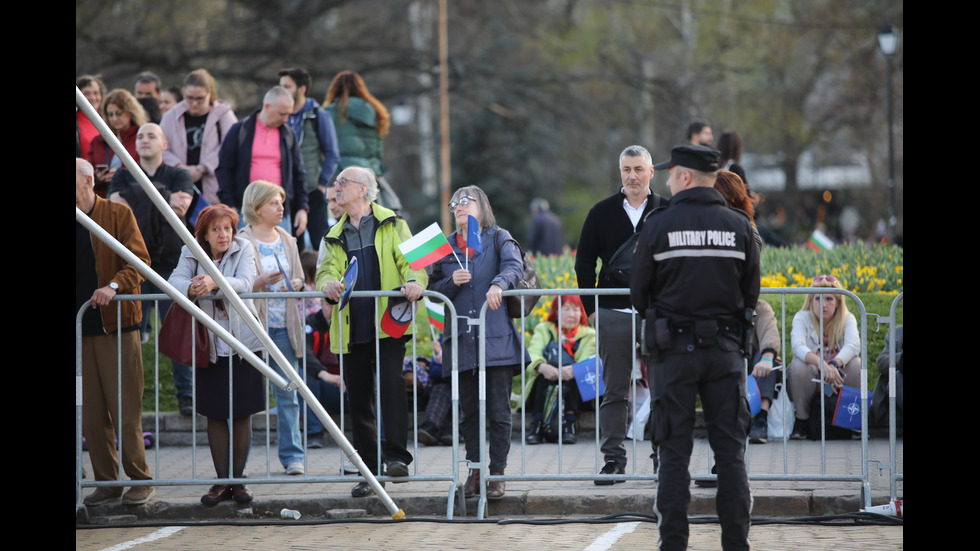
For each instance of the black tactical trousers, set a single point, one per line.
(717, 373)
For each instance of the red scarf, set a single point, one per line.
(568, 340)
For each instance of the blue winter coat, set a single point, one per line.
(503, 340)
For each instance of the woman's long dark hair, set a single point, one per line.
(348, 84)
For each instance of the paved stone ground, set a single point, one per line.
(182, 472)
(479, 536)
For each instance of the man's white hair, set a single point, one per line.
(85, 168)
(274, 93)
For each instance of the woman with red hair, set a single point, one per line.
(561, 341)
(362, 122)
(216, 230)
(736, 194)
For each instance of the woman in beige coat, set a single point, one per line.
(278, 269)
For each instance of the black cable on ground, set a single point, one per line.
(857, 519)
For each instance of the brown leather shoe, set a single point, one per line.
(102, 495)
(472, 486)
(495, 489)
(216, 494)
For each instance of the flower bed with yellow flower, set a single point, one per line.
(873, 272)
(860, 268)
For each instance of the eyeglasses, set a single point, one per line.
(461, 202)
(342, 182)
(827, 278)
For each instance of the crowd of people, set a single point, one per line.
(272, 177)
(290, 196)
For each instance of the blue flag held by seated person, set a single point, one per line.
(588, 372)
(755, 401)
(847, 414)
(473, 235)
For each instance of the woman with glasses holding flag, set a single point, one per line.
(491, 263)
(838, 355)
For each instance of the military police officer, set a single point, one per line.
(695, 278)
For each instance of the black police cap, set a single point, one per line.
(696, 157)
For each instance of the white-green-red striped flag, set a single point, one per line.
(819, 241)
(425, 247)
(437, 314)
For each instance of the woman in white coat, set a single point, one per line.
(215, 231)
(838, 355)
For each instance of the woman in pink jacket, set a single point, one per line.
(194, 129)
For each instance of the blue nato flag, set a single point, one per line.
(473, 235)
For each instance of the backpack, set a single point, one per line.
(318, 342)
(529, 281)
(554, 408)
(310, 149)
(553, 414)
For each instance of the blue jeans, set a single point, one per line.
(287, 403)
(329, 397)
(183, 375)
(183, 380)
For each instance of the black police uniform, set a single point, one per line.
(695, 272)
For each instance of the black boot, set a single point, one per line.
(533, 433)
(568, 432)
(428, 434)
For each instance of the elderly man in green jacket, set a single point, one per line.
(371, 234)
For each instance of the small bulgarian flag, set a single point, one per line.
(437, 314)
(426, 247)
(819, 241)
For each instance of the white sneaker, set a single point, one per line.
(348, 468)
(295, 468)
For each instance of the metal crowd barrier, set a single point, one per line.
(451, 476)
(893, 475)
(633, 474)
(452, 471)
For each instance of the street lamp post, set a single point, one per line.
(888, 42)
